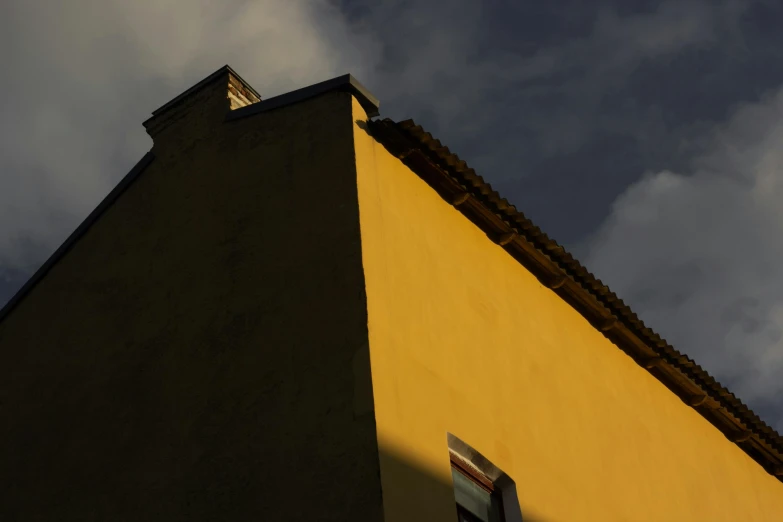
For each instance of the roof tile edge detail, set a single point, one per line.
(561, 272)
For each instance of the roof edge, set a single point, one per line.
(58, 254)
(344, 83)
(556, 269)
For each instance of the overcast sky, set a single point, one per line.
(647, 137)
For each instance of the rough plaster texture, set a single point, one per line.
(200, 354)
(464, 340)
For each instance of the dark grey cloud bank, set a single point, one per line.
(646, 136)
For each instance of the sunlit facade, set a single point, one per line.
(293, 310)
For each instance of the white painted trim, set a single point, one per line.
(502, 482)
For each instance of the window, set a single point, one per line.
(477, 498)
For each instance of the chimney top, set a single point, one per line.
(235, 80)
(224, 89)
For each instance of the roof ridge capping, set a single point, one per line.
(558, 270)
(344, 83)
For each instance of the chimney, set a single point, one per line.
(196, 111)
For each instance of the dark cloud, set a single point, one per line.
(698, 253)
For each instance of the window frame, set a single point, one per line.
(480, 480)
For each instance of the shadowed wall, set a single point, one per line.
(201, 352)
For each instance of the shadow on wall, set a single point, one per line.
(420, 495)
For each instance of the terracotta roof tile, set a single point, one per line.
(555, 267)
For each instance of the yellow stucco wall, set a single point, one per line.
(464, 340)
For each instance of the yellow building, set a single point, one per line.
(289, 311)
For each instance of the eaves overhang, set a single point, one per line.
(556, 269)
